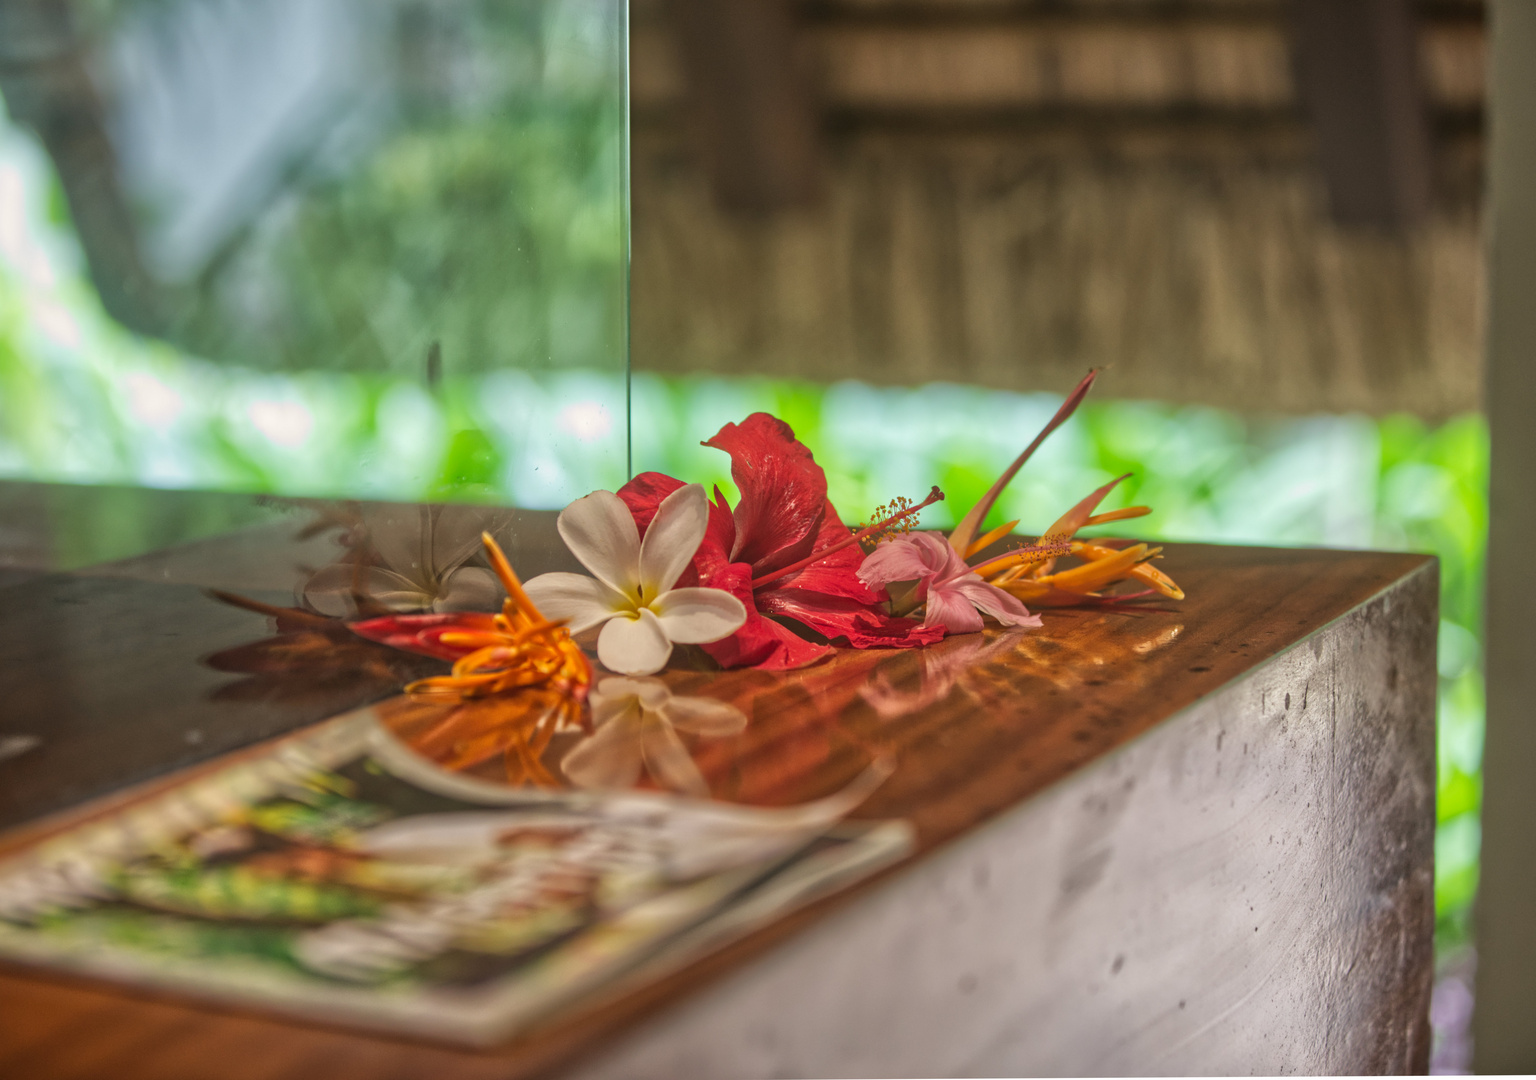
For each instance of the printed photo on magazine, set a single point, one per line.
(339, 877)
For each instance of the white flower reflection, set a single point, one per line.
(636, 723)
(411, 558)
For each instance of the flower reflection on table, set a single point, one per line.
(636, 724)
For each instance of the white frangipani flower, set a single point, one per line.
(635, 722)
(631, 595)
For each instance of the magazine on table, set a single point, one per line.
(339, 877)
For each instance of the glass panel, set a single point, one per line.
(324, 247)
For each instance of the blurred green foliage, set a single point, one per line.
(476, 203)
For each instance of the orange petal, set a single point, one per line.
(990, 538)
(1095, 575)
(965, 532)
(1118, 515)
(1078, 516)
(1144, 572)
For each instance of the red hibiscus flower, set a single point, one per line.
(765, 553)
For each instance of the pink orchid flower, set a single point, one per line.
(955, 595)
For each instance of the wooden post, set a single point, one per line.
(1357, 73)
(751, 105)
(1503, 1038)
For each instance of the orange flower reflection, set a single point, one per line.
(524, 681)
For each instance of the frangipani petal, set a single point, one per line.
(651, 693)
(334, 589)
(709, 717)
(584, 602)
(634, 644)
(672, 540)
(611, 756)
(696, 616)
(398, 535)
(456, 531)
(668, 760)
(601, 533)
(469, 588)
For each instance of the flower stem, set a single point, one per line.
(853, 538)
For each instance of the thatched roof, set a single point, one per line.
(1009, 198)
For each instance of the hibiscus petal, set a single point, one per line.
(996, 603)
(863, 626)
(643, 495)
(601, 533)
(839, 581)
(582, 601)
(668, 760)
(714, 553)
(709, 717)
(760, 643)
(672, 539)
(837, 573)
(783, 492)
(696, 616)
(915, 557)
(948, 608)
(634, 644)
(611, 756)
(764, 644)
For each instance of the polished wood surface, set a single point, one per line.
(979, 725)
(1245, 889)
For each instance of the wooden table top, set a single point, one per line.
(973, 726)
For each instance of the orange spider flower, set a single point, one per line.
(519, 650)
(518, 678)
(1030, 574)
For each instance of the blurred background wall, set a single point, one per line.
(1246, 203)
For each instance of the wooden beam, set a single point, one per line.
(1357, 69)
(750, 101)
(1146, 68)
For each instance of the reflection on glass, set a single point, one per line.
(286, 223)
(405, 559)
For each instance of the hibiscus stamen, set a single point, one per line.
(881, 526)
(891, 518)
